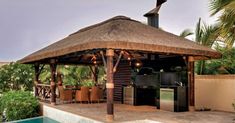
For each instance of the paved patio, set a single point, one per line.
(128, 113)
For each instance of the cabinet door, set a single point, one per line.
(128, 95)
(167, 99)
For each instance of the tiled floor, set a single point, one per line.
(128, 113)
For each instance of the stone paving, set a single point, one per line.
(145, 114)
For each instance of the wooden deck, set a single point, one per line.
(128, 113)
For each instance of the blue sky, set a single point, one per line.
(29, 25)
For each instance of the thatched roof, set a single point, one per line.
(122, 33)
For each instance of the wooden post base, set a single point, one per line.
(191, 108)
(109, 118)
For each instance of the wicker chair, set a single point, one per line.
(95, 95)
(65, 95)
(82, 95)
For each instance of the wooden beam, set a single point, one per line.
(110, 85)
(104, 61)
(118, 60)
(196, 58)
(94, 70)
(185, 60)
(36, 78)
(191, 84)
(53, 84)
(96, 73)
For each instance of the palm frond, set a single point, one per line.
(227, 27)
(198, 31)
(209, 34)
(186, 33)
(220, 5)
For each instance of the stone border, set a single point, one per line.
(65, 117)
(16, 121)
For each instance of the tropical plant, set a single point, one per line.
(224, 31)
(205, 35)
(15, 105)
(73, 75)
(87, 83)
(225, 65)
(227, 22)
(45, 75)
(101, 75)
(186, 33)
(16, 76)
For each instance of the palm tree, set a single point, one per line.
(221, 5)
(74, 74)
(226, 19)
(186, 33)
(205, 35)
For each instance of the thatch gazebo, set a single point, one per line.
(114, 41)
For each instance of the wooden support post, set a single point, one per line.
(59, 79)
(53, 84)
(104, 61)
(191, 84)
(36, 78)
(118, 60)
(95, 71)
(110, 85)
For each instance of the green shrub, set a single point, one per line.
(18, 105)
(15, 76)
(87, 83)
(224, 65)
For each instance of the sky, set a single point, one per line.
(29, 25)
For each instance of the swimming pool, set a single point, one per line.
(36, 120)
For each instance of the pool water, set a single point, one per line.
(36, 120)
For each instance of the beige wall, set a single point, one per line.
(216, 92)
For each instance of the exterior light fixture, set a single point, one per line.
(138, 64)
(95, 62)
(93, 59)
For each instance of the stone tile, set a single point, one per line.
(143, 114)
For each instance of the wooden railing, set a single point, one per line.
(43, 91)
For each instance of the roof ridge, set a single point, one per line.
(119, 17)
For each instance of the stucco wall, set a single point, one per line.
(216, 92)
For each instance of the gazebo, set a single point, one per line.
(120, 40)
